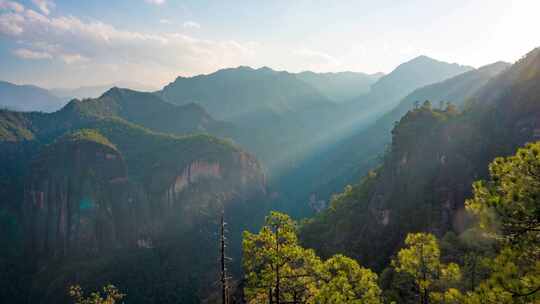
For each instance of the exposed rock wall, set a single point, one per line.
(79, 198)
(70, 196)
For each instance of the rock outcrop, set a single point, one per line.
(73, 196)
(79, 198)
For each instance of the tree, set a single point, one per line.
(110, 295)
(513, 280)
(223, 263)
(278, 270)
(508, 205)
(508, 209)
(421, 260)
(472, 251)
(427, 105)
(343, 281)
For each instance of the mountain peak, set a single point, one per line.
(422, 58)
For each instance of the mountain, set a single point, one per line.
(342, 86)
(277, 112)
(411, 75)
(287, 117)
(91, 197)
(353, 156)
(152, 112)
(244, 95)
(427, 172)
(335, 163)
(28, 98)
(388, 90)
(98, 90)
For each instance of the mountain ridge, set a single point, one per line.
(425, 175)
(28, 98)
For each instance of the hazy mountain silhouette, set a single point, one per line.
(28, 98)
(341, 86)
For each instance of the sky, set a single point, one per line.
(67, 43)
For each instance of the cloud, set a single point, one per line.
(191, 25)
(73, 58)
(10, 24)
(99, 45)
(156, 2)
(165, 21)
(316, 60)
(44, 6)
(32, 55)
(11, 6)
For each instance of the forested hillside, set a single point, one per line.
(426, 174)
(88, 195)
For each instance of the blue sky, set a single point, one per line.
(59, 43)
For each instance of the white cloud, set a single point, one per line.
(11, 6)
(98, 45)
(191, 25)
(32, 55)
(10, 24)
(73, 58)
(45, 6)
(165, 21)
(315, 60)
(156, 2)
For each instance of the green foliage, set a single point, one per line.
(278, 270)
(87, 135)
(110, 295)
(509, 204)
(343, 281)
(326, 231)
(421, 260)
(275, 263)
(507, 209)
(14, 126)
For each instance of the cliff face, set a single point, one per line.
(79, 198)
(73, 198)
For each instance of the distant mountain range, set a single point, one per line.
(33, 98)
(351, 158)
(386, 93)
(342, 86)
(28, 98)
(244, 95)
(287, 116)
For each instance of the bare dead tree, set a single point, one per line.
(223, 259)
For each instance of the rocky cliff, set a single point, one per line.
(79, 198)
